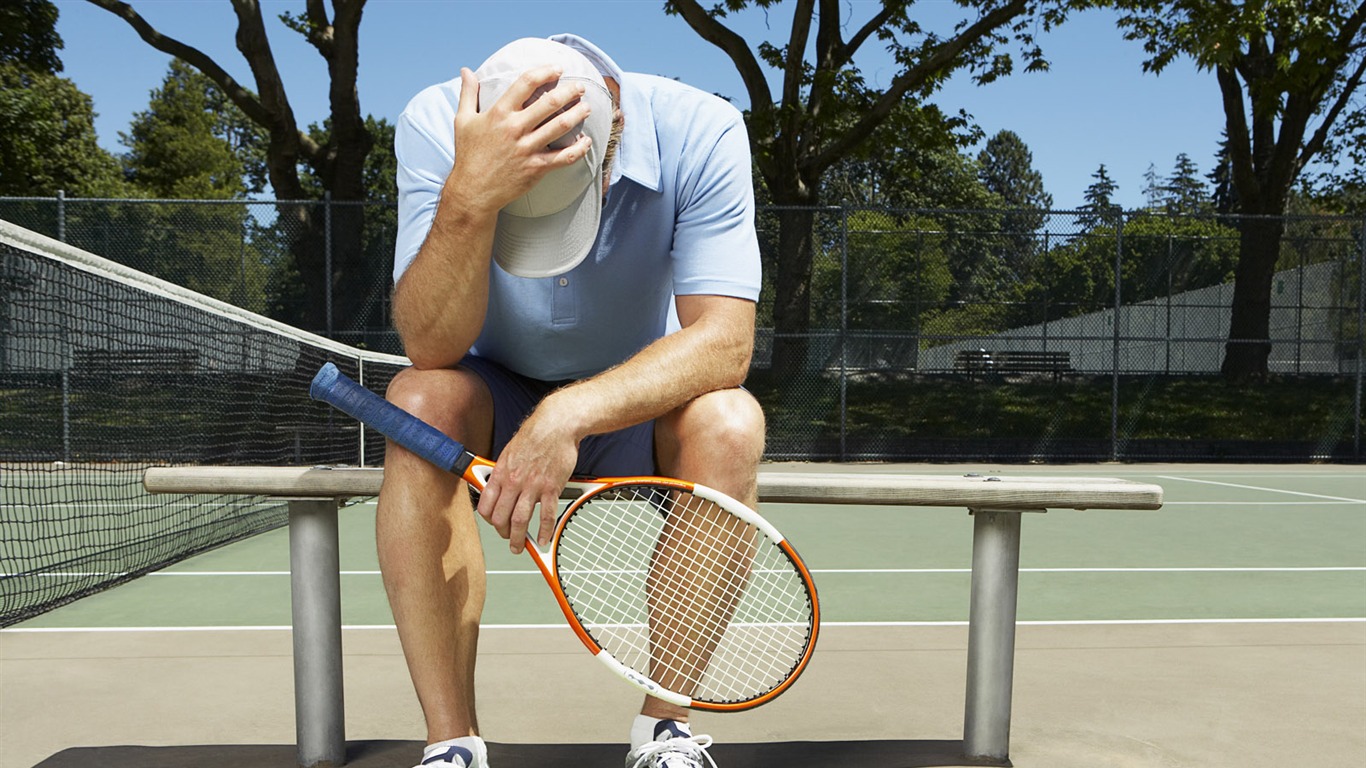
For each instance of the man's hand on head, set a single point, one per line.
(502, 152)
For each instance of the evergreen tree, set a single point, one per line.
(1154, 195)
(190, 142)
(1184, 191)
(1099, 205)
(1007, 169)
(1224, 194)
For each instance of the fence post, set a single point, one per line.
(327, 256)
(1361, 339)
(1114, 337)
(844, 330)
(61, 215)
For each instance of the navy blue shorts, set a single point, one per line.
(629, 451)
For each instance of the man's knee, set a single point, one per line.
(456, 402)
(728, 422)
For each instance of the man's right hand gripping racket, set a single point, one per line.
(678, 588)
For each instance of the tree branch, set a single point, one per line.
(255, 47)
(732, 45)
(796, 52)
(934, 64)
(1239, 145)
(320, 32)
(243, 98)
(890, 8)
(1316, 142)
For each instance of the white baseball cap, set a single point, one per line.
(551, 229)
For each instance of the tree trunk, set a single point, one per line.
(792, 291)
(1249, 346)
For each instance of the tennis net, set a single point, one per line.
(105, 371)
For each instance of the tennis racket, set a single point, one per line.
(679, 589)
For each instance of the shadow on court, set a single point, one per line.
(399, 754)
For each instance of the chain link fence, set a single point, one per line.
(933, 335)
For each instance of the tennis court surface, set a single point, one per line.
(1227, 628)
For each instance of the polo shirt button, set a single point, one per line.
(564, 281)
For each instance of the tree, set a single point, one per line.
(50, 143)
(932, 171)
(1288, 72)
(1185, 193)
(48, 123)
(1154, 195)
(28, 35)
(1006, 168)
(823, 109)
(339, 164)
(1099, 206)
(190, 142)
(1223, 195)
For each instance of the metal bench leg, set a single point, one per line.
(991, 633)
(315, 586)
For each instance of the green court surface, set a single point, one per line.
(1237, 542)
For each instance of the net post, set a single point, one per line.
(360, 377)
(315, 592)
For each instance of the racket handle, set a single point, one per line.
(419, 437)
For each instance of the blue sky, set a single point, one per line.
(1095, 106)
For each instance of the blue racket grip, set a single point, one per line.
(419, 437)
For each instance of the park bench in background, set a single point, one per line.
(1012, 362)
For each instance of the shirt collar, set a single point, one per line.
(638, 155)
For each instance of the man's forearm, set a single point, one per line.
(709, 354)
(441, 300)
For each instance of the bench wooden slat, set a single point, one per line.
(854, 487)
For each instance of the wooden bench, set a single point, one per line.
(996, 503)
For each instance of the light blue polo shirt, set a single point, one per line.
(679, 220)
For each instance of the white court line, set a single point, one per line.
(1262, 488)
(562, 626)
(815, 571)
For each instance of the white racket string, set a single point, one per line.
(732, 615)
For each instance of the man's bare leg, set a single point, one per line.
(728, 424)
(429, 550)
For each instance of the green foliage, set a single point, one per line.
(930, 171)
(1185, 192)
(1223, 193)
(28, 35)
(192, 142)
(1006, 168)
(1163, 255)
(49, 142)
(1099, 205)
(896, 270)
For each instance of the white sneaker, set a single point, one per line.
(673, 747)
(468, 752)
